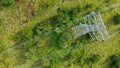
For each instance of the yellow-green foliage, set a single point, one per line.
(37, 34)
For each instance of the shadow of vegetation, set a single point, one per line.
(114, 19)
(112, 61)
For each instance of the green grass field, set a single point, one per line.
(23, 45)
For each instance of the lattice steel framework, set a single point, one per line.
(94, 26)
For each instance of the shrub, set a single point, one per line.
(107, 1)
(7, 2)
(87, 6)
(43, 6)
(66, 15)
(46, 4)
(114, 61)
(25, 35)
(92, 59)
(42, 27)
(1, 21)
(58, 30)
(116, 19)
(2, 45)
(65, 40)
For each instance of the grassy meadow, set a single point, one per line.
(37, 34)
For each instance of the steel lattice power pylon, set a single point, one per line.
(94, 26)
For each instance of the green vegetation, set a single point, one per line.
(116, 19)
(7, 2)
(1, 21)
(92, 59)
(114, 61)
(37, 34)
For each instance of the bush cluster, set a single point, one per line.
(60, 41)
(116, 19)
(114, 61)
(92, 59)
(7, 2)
